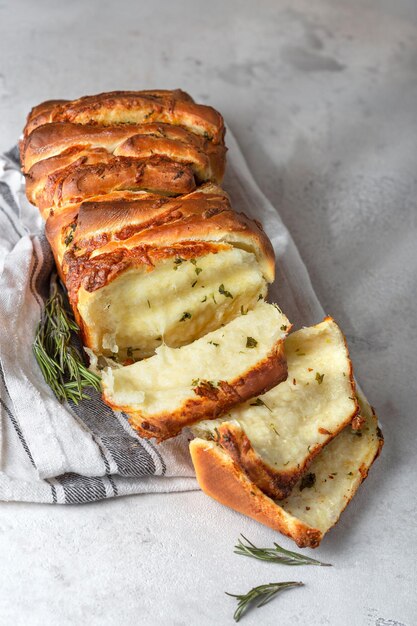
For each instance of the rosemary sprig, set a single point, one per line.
(275, 555)
(259, 596)
(61, 364)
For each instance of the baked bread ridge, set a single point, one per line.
(137, 140)
(96, 172)
(127, 220)
(180, 386)
(275, 438)
(314, 507)
(132, 107)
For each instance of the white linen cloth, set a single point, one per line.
(52, 452)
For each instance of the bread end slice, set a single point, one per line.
(312, 509)
(222, 479)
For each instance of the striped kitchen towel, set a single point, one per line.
(62, 453)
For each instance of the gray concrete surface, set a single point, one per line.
(323, 99)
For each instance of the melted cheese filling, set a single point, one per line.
(336, 474)
(174, 304)
(168, 379)
(289, 421)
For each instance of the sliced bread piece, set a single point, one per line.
(180, 386)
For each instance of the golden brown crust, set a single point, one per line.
(222, 479)
(82, 179)
(210, 402)
(134, 140)
(133, 107)
(153, 221)
(40, 114)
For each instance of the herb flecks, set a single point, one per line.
(213, 343)
(283, 327)
(61, 363)
(260, 402)
(224, 292)
(197, 270)
(319, 378)
(259, 596)
(277, 554)
(177, 261)
(307, 481)
(70, 234)
(185, 316)
(251, 342)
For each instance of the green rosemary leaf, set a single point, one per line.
(224, 292)
(319, 378)
(307, 481)
(259, 596)
(251, 342)
(275, 555)
(260, 402)
(61, 364)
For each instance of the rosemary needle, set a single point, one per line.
(275, 555)
(259, 596)
(60, 362)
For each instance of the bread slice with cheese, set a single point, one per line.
(180, 386)
(317, 500)
(275, 437)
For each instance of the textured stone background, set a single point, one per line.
(322, 97)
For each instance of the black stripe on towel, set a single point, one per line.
(80, 489)
(131, 457)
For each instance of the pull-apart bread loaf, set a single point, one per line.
(153, 256)
(168, 284)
